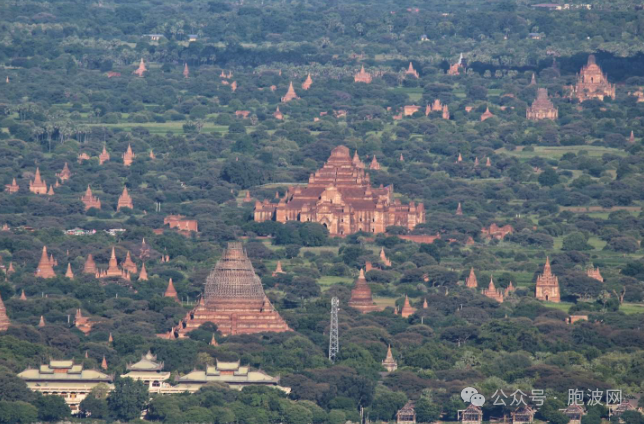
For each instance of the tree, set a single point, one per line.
(548, 177)
(128, 399)
(13, 388)
(17, 413)
(427, 411)
(94, 407)
(52, 408)
(576, 241)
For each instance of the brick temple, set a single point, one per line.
(340, 197)
(362, 76)
(4, 319)
(89, 200)
(548, 285)
(361, 296)
(38, 185)
(592, 83)
(233, 299)
(542, 108)
(125, 201)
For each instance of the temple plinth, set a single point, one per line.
(125, 201)
(340, 197)
(45, 267)
(38, 185)
(542, 107)
(89, 200)
(361, 298)
(592, 83)
(548, 285)
(234, 299)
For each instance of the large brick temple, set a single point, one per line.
(234, 300)
(340, 197)
(592, 83)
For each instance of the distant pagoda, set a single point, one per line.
(471, 281)
(307, 84)
(290, 94)
(487, 114)
(46, 265)
(125, 201)
(171, 292)
(542, 107)
(186, 71)
(129, 265)
(492, 292)
(362, 76)
(389, 363)
(141, 69)
(38, 185)
(411, 71)
(592, 83)
(89, 200)
(407, 310)
(128, 156)
(234, 299)
(90, 265)
(594, 273)
(361, 296)
(4, 319)
(12, 188)
(548, 285)
(65, 174)
(103, 157)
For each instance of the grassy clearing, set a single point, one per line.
(563, 306)
(162, 128)
(326, 281)
(556, 152)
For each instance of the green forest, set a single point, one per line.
(201, 120)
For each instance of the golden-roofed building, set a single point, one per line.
(542, 107)
(65, 379)
(339, 196)
(547, 287)
(361, 298)
(12, 188)
(150, 372)
(38, 185)
(233, 299)
(362, 76)
(592, 83)
(231, 373)
(89, 200)
(290, 94)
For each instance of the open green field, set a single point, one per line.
(175, 127)
(556, 152)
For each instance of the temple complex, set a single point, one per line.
(45, 267)
(593, 272)
(308, 82)
(233, 299)
(547, 285)
(231, 373)
(592, 83)
(90, 265)
(496, 232)
(38, 185)
(141, 69)
(4, 319)
(65, 174)
(103, 157)
(471, 281)
(128, 156)
(180, 223)
(65, 379)
(406, 414)
(125, 201)
(407, 310)
(492, 292)
(362, 76)
(290, 94)
(186, 71)
(542, 107)
(150, 372)
(129, 265)
(171, 292)
(12, 188)
(411, 71)
(487, 114)
(340, 197)
(89, 200)
(361, 296)
(389, 363)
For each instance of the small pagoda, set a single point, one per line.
(125, 201)
(4, 319)
(389, 363)
(592, 83)
(89, 200)
(547, 287)
(487, 114)
(129, 265)
(411, 71)
(143, 275)
(103, 157)
(233, 299)
(383, 257)
(128, 156)
(492, 292)
(45, 267)
(594, 273)
(141, 69)
(90, 265)
(170, 292)
(407, 310)
(374, 165)
(471, 281)
(113, 269)
(308, 82)
(361, 298)
(38, 185)
(65, 174)
(82, 323)
(278, 269)
(290, 94)
(459, 209)
(12, 188)
(445, 114)
(277, 114)
(186, 71)
(542, 108)
(362, 76)
(69, 273)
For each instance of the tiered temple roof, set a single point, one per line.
(143, 275)
(492, 292)
(46, 265)
(234, 299)
(407, 310)
(103, 157)
(362, 76)
(308, 82)
(125, 201)
(340, 197)
(65, 174)
(411, 71)
(12, 188)
(89, 200)
(128, 156)
(113, 269)
(487, 114)
(290, 94)
(361, 296)
(4, 319)
(547, 285)
(148, 370)
(171, 292)
(38, 185)
(231, 373)
(141, 69)
(186, 71)
(542, 107)
(471, 281)
(593, 272)
(90, 265)
(389, 363)
(592, 83)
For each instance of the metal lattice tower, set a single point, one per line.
(334, 341)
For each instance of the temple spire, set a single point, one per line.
(186, 71)
(69, 274)
(104, 363)
(41, 324)
(170, 291)
(4, 319)
(143, 275)
(407, 309)
(213, 342)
